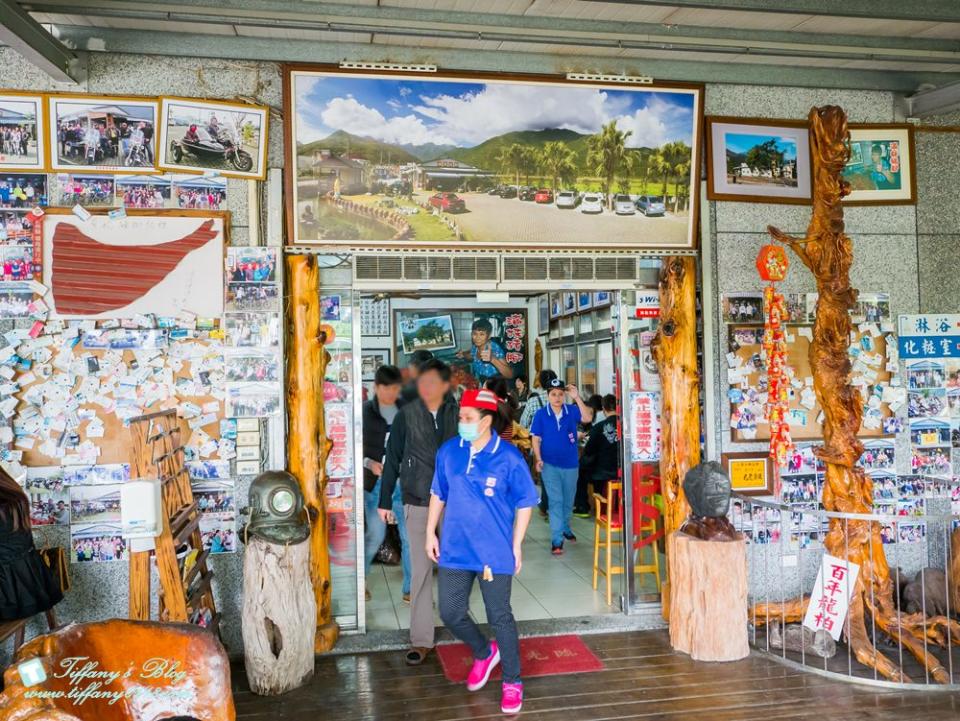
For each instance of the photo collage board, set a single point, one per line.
(892, 389)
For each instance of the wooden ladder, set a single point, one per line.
(158, 453)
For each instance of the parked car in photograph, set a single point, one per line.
(651, 205)
(496, 190)
(623, 205)
(591, 203)
(568, 199)
(508, 191)
(527, 193)
(544, 195)
(448, 202)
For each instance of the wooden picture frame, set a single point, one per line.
(101, 104)
(325, 171)
(886, 136)
(166, 156)
(756, 188)
(39, 103)
(751, 474)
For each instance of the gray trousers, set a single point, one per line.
(421, 582)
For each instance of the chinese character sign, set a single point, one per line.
(831, 595)
(645, 426)
(935, 335)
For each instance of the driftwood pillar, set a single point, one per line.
(827, 252)
(675, 351)
(307, 442)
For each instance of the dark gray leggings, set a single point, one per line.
(454, 587)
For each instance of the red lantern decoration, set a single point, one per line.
(772, 263)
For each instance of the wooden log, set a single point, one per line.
(708, 598)
(279, 614)
(307, 444)
(675, 351)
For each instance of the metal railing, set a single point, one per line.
(785, 550)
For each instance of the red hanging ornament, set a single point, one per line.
(772, 265)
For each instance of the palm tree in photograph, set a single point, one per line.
(531, 163)
(681, 158)
(512, 159)
(558, 161)
(608, 156)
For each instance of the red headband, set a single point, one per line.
(482, 398)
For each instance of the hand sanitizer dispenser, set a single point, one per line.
(141, 506)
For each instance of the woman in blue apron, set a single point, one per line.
(483, 488)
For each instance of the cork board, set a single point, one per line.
(745, 353)
(114, 444)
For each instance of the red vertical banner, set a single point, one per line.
(36, 268)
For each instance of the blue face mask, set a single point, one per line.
(468, 431)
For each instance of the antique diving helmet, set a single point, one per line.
(276, 513)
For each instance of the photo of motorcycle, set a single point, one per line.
(222, 148)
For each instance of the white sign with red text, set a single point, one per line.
(831, 595)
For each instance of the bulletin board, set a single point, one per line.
(115, 443)
(798, 358)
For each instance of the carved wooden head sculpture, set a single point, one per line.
(156, 671)
(707, 487)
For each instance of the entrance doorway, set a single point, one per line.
(591, 339)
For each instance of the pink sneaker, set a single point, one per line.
(480, 673)
(512, 699)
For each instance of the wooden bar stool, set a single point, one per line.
(608, 521)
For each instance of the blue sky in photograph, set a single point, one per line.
(415, 111)
(742, 142)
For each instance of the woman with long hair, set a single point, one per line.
(483, 489)
(27, 587)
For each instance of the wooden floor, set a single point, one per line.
(643, 679)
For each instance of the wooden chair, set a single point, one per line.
(609, 522)
(647, 529)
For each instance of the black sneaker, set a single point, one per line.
(557, 550)
(570, 537)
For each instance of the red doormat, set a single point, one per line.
(539, 656)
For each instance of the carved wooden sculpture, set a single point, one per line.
(675, 351)
(175, 670)
(308, 445)
(828, 253)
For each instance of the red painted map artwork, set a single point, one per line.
(90, 277)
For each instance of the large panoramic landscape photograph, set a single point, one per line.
(440, 161)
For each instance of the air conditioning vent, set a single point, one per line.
(582, 268)
(427, 267)
(524, 267)
(615, 268)
(378, 267)
(474, 267)
(561, 269)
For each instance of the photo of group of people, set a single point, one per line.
(252, 400)
(107, 133)
(214, 496)
(140, 191)
(23, 191)
(49, 498)
(95, 503)
(248, 367)
(19, 123)
(742, 308)
(97, 543)
(252, 330)
(252, 296)
(15, 300)
(218, 532)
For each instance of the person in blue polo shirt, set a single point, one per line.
(483, 488)
(554, 431)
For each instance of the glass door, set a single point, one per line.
(638, 390)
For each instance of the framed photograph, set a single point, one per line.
(22, 146)
(568, 303)
(758, 160)
(584, 301)
(750, 473)
(742, 307)
(556, 306)
(433, 333)
(881, 166)
(360, 142)
(602, 299)
(102, 134)
(372, 359)
(200, 136)
(251, 264)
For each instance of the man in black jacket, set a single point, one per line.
(600, 461)
(378, 415)
(416, 360)
(419, 430)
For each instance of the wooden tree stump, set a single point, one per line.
(708, 600)
(279, 612)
